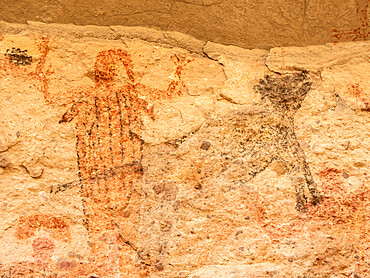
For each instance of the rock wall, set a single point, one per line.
(129, 153)
(245, 23)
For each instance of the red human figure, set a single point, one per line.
(109, 153)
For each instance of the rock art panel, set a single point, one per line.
(123, 157)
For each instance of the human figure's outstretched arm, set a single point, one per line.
(174, 87)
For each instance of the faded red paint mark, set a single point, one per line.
(341, 210)
(344, 214)
(356, 91)
(275, 229)
(39, 76)
(67, 264)
(109, 152)
(43, 248)
(41, 266)
(57, 226)
(360, 33)
(341, 206)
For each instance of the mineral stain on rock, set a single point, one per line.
(205, 145)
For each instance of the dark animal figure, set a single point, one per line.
(286, 94)
(242, 141)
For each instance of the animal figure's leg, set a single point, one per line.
(315, 194)
(295, 161)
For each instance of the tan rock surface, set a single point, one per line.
(130, 152)
(249, 24)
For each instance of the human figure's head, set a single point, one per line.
(107, 63)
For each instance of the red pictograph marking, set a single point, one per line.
(360, 33)
(274, 228)
(39, 76)
(57, 226)
(109, 151)
(356, 91)
(40, 73)
(341, 210)
(339, 202)
(43, 248)
(345, 213)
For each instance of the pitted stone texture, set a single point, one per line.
(243, 69)
(257, 270)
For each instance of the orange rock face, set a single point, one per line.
(129, 157)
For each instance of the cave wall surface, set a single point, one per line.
(131, 152)
(245, 23)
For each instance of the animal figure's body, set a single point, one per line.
(247, 139)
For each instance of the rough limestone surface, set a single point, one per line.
(130, 152)
(245, 23)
